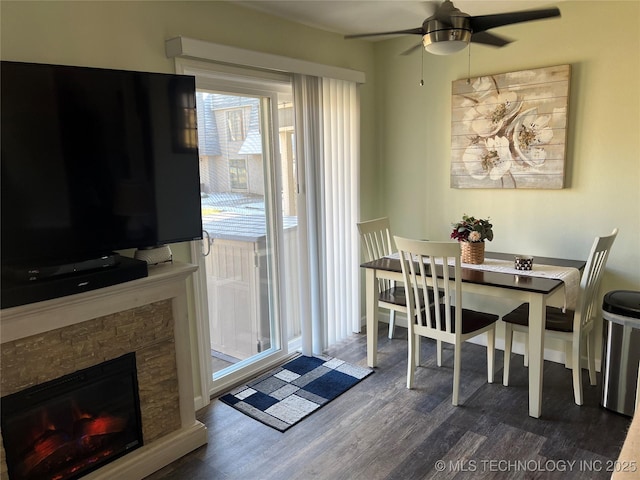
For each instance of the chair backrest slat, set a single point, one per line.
(376, 238)
(422, 261)
(589, 305)
(376, 242)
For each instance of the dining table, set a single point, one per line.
(534, 287)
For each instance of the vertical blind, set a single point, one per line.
(341, 139)
(328, 127)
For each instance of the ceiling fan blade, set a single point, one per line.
(412, 49)
(487, 38)
(486, 22)
(411, 31)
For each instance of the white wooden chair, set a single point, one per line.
(575, 327)
(443, 321)
(377, 243)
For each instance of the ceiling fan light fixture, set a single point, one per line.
(446, 42)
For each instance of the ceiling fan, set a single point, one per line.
(449, 30)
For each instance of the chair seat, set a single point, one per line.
(471, 320)
(394, 295)
(557, 320)
(398, 296)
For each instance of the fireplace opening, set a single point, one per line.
(67, 427)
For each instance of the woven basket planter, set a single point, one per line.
(472, 252)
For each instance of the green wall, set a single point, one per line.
(603, 145)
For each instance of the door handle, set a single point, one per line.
(206, 238)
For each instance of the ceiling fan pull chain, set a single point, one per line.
(422, 70)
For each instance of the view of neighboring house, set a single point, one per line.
(230, 144)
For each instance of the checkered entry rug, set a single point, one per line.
(289, 393)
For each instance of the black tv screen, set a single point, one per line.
(94, 161)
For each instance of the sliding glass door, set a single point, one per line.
(249, 215)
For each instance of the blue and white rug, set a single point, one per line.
(289, 393)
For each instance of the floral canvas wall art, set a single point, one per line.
(509, 130)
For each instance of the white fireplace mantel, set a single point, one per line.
(165, 281)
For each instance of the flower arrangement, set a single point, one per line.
(473, 230)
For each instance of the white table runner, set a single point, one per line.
(568, 275)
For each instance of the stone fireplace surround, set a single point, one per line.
(148, 316)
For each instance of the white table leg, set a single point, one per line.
(371, 300)
(537, 318)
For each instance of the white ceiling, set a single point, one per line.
(368, 16)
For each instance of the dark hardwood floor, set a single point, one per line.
(381, 430)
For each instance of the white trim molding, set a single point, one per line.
(203, 50)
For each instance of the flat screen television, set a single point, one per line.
(94, 161)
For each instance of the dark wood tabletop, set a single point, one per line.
(497, 279)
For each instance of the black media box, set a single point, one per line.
(21, 293)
